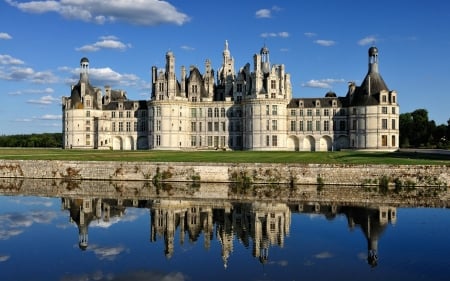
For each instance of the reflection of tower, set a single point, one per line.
(224, 233)
(372, 222)
(84, 211)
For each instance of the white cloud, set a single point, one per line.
(263, 13)
(282, 34)
(149, 12)
(106, 42)
(44, 100)
(322, 83)
(107, 253)
(323, 255)
(32, 91)
(5, 36)
(50, 117)
(187, 48)
(367, 40)
(8, 60)
(4, 258)
(310, 34)
(16, 73)
(325, 43)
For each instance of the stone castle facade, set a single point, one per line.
(248, 109)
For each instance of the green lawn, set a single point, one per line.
(341, 157)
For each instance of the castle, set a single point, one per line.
(248, 109)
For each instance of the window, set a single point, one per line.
(268, 125)
(383, 97)
(317, 125)
(393, 124)
(239, 88)
(120, 126)
(223, 126)
(384, 123)
(128, 125)
(267, 140)
(113, 126)
(120, 114)
(88, 113)
(193, 140)
(309, 125)
(384, 110)
(326, 125)
(384, 140)
(393, 110)
(158, 111)
(216, 112)
(158, 125)
(209, 126)
(199, 126)
(113, 114)
(193, 89)
(209, 112)
(274, 109)
(193, 112)
(222, 112)
(293, 126)
(216, 126)
(209, 140)
(88, 140)
(393, 99)
(267, 109)
(301, 125)
(342, 125)
(274, 125)
(273, 84)
(309, 112)
(274, 141)
(158, 140)
(393, 140)
(135, 126)
(317, 112)
(292, 112)
(193, 126)
(301, 112)
(128, 114)
(326, 112)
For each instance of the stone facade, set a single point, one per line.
(249, 109)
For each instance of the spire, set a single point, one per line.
(373, 59)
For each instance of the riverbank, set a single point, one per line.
(241, 173)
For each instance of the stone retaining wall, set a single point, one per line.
(246, 173)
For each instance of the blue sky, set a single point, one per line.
(323, 44)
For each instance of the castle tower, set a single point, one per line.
(84, 70)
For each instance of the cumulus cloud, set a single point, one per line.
(282, 34)
(15, 73)
(107, 253)
(9, 60)
(322, 83)
(5, 36)
(149, 13)
(267, 13)
(105, 42)
(367, 40)
(32, 91)
(325, 43)
(45, 100)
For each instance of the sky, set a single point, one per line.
(322, 43)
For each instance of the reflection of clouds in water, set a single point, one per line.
(362, 256)
(12, 224)
(135, 276)
(107, 253)
(4, 258)
(280, 263)
(6, 234)
(323, 255)
(131, 215)
(40, 201)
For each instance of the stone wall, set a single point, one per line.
(246, 173)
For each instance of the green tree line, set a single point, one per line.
(416, 130)
(32, 140)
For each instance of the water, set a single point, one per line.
(93, 233)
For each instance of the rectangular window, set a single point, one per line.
(128, 126)
(274, 141)
(135, 126)
(384, 110)
(158, 111)
(309, 112)
(326, 125)
(293, 126)
(267, 140)
(301, 112)
(383, 123)
(216, 141)
(222, 141)
(199, 126)
(301, 125)
(267, 125)
(274, 125)
(113, 126)
(210, 127)
(158, 140)
(113, 114)
(267, 109)
(120, 114)
(193, 141)
(317, 112)
(274, 109)
(120, 126)
(383, 140)
(209, 140)
(88, 113)
(128, 114)
(158, 125)
(223, 126)
(342, 125)
(393, 124)
(309, 125)
(88, 140)
(292, 112)
(193, 112)
(393, 110)
(193, 126)
(317, 125)
(273, 84)
(216, 112)
(209, 112)
(216, 126)
(393, 140)
(326, 112)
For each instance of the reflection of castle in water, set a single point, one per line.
(258, 225)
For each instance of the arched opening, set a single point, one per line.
(326, 143)
(128, 143)
(309, 144)
(293, 143)
(117, 143)
(341, 142)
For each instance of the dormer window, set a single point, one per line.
(317, 103)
